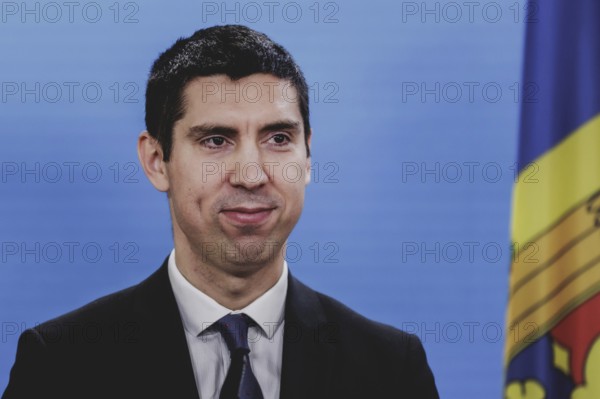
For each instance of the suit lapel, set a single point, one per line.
(165, 354)
(308, 349)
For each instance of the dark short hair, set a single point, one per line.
(233, 50)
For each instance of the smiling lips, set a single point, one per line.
(244, 215)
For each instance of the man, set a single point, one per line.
(227, 119)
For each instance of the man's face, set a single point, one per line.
(238, 170)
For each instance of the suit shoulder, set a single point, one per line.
(108, 309)
(119, 314)
(379, 351)
(354, 323)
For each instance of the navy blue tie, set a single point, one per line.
(240, 382)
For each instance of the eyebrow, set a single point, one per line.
(206, 129)
(283, 124)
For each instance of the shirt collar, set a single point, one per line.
(199, 311)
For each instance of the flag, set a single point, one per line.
(552, 344)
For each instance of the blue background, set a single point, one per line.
(400, 235)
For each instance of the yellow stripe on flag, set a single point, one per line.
(565, 175)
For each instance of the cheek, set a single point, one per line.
(190, 193)
(294, 180)
(295, 196)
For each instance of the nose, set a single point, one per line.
(246, 168)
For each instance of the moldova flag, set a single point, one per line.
(553, 319)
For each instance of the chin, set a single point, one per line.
(251, 256)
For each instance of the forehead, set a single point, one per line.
(255, 98)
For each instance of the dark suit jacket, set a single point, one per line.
(131, 344)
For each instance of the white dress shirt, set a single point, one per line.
(208, 350)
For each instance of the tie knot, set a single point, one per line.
(234, 329)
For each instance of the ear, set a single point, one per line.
(151, 157)
(308, 163)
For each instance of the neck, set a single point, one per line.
(226, 284)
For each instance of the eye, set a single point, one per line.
(213, 142)
(280, 139)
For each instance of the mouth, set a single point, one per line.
(247, 215)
